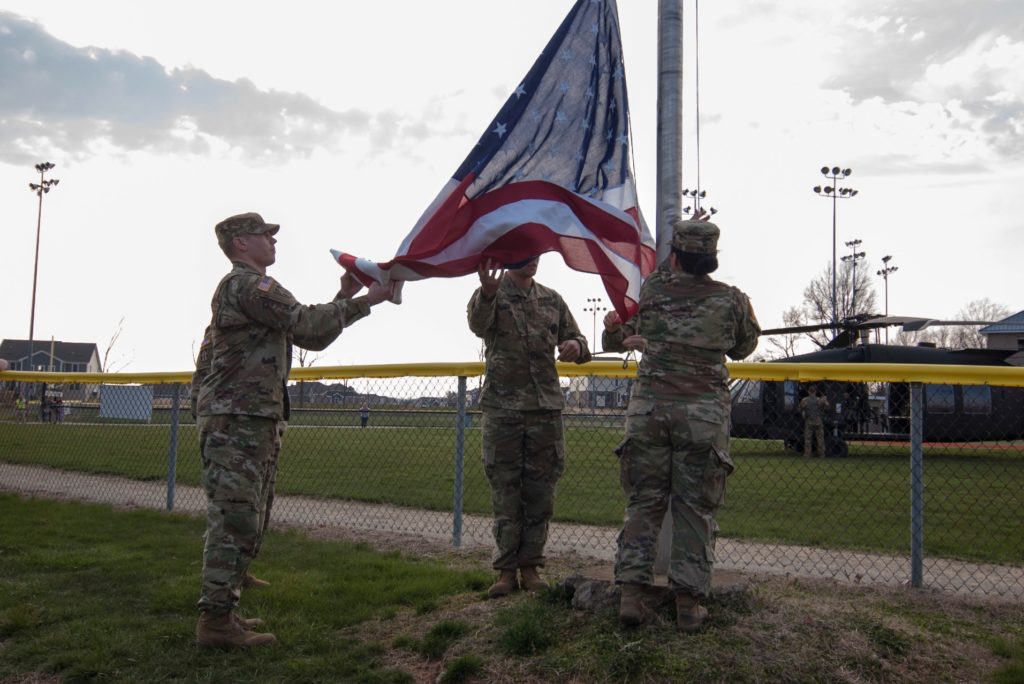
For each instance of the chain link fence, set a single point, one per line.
(920, 480)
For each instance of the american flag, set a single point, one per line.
(552, 172)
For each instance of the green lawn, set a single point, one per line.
(91, 594)
(974, 496)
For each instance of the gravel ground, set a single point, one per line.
(433, 529)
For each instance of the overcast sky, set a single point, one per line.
(341, 121)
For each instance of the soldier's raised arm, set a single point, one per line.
(615, 331)
(481, 308)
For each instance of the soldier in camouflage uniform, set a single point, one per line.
(241, 400)
(813, 409)
(676, 450)
(522, 324)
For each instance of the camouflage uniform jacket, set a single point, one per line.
(202, 369)
(521, 330)
(690, 323)
(813, 408)
(255, 321)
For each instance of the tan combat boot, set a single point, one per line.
(631, 605)
(253, 582)
(530, 579)
(690, 615)
(505, 585)
(248, 623)
(224, 630)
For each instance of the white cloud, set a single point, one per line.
(58, 99)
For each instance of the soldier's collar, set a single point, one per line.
(242, 266)
(514, 289)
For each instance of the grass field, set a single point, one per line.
(88, 594)
(974, 501)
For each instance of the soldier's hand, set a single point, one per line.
(490, 273)
(635, 343)
(378, 293)
(569, 351)
(612, 321)
(350, 286)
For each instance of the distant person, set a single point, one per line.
(242, 406)
(522, 324)
(20, 408)
(44, 407)
(813, 409)
(675, 454)
(364, 414)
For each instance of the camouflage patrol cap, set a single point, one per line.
(697, 237)
(250, 223)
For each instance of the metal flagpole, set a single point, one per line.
(670, 169)
(670, 121)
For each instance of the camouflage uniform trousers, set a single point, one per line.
(677, 453)
(814, 429)
(524, 456)
(239, 458)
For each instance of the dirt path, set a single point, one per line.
(589, 541)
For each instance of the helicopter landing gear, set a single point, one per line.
(836, 446)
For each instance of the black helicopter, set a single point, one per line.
(881, 411)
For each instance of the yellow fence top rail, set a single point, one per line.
(803, 372)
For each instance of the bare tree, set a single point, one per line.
(114, 365)
(817, 304)
(784, 346)
(302, 356)
(959, 336)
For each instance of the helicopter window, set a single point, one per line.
(747, 392)
(939, 398)
(977, 399)
(790, 391)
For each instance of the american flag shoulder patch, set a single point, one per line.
(266, 283)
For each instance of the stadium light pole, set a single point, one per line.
(885, 272)
(41, 188)
(595, 306)
(835, 193)
(854, 257)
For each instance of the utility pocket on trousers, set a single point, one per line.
(718, 468)
(622, 451)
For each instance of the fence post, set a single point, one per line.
(916, 484)
(460, 450)
(172, 452)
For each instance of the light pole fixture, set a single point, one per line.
(835, 193)
(695, 197)
(853, 257)
(593, 309)
(41, 188)
(885, 272)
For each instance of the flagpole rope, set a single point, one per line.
(696, 84)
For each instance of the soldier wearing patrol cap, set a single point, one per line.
(522, 324)
(676, 450)
(241, 400)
